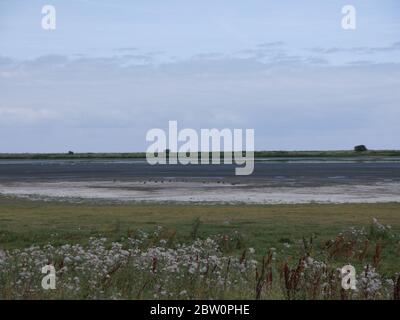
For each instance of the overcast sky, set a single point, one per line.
(112, 70)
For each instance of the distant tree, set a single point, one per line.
(70, 152)
(360, 148)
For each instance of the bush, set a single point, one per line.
(360, 148)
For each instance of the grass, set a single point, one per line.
(22, 221)
(293, 231)
(25, 222)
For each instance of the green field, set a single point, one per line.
(23, 223)
(292, 231)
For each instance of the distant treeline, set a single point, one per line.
(257, 154)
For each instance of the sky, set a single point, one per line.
(112, 70)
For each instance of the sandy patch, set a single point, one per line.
(192, 191)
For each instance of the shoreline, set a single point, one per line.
(193, 192)
(257, 154)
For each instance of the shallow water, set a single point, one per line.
(298, 180)
(297, 171)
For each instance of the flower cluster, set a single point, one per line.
(149, 265)
(126, 269)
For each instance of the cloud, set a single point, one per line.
(292, 101)
(264, 50)
(51, 59)
(274, 44)
(5, 61)
(358, 50)
(11, 115)
(127, 49)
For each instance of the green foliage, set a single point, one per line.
(194, 233)
(360, 148)
(149, 265)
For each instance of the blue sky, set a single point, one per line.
(114, 69)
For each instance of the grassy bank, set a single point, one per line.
(23, 222)
(257, 154)
(188, 252)
(261, 226)
(198, 251)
